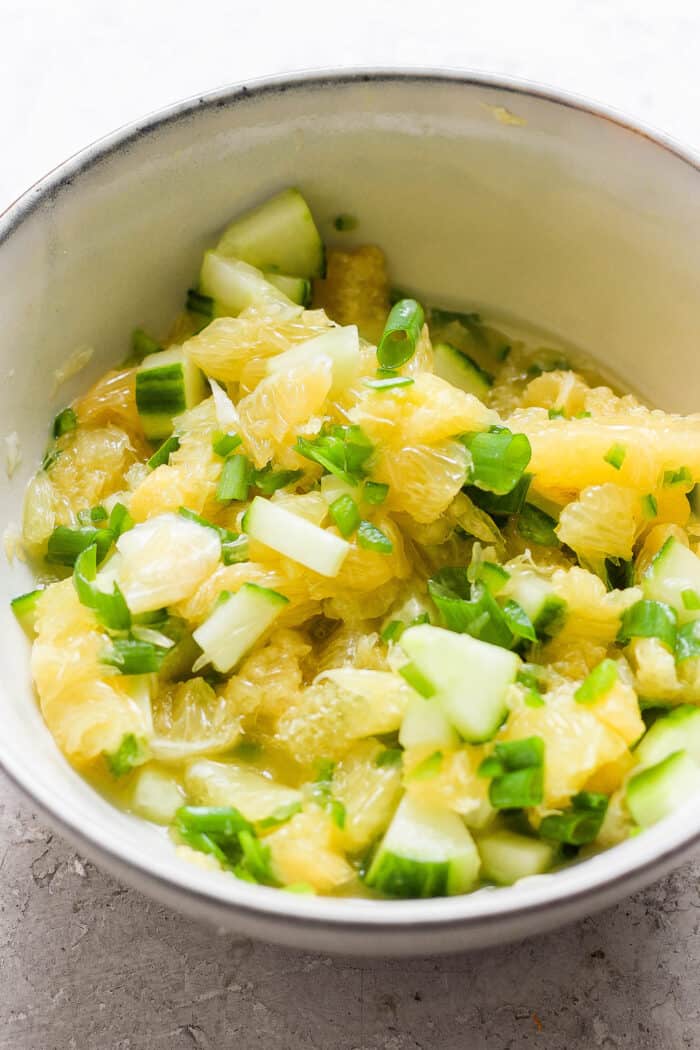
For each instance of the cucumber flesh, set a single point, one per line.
(536, 596)
(235, 285)
(340, 345)
(426, 852)
(235, 626)
(461, 371)
(279, 235)
(507, 857)
(156, 796)
(674, 569)
(167, 384)
(295, 537)
(298, 289)
(679, 730)
(661, 789)
(425, 724)
(25, 608)
(470, 677)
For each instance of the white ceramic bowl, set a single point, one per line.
(566, 216)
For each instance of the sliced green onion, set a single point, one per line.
(499, 458)
(163, 453)
(469, 610)
(131, 752)
(234, 545)
(650, 507)
(92, 516)
(428, 768)
(390, 756)
(221, 822)
(341, 450)
(110, 609)
(556, 413)
(537, 527)
(50, 457)
(269, 481)
(682, 476)
(196, 303)
(281, 815)
(133, 656)
(375, 492)
(143, 344)
(401, 334)
(64, 423)
(534, 698)
(345, 514)
(649, 619)
(389, 382)
(120, 520)
(490, 767)
(503, 506)
(691, 599)
(518, 790)
(203, 843)
(65, 544)
(578, 825)
(393, 631)
(322, 793)
(417, 680)
(234, 483)
(520, 754)
(344, 222)
(518, 621)
(615, 456)
(373, 539)
(688, 641)
(224, 443)
(493, 576)
(599, 682)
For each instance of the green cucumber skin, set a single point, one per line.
(461, 370)
(679, 730)
(161, 391)
(659, 790)
(24, 608)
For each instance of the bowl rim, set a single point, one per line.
(606, 875)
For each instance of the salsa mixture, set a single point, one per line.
(357, 595)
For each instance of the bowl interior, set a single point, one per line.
(481, 195)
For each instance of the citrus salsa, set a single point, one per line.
(354, 594)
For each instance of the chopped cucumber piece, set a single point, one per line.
(167, 383)
(425, 723)
(536, 596)
(278, 235)
(470, 677)
(156, 796)
(235, 626)
(298, 289)
(679, 730)
(507, 857)
(234, 285)
(24, 608)
(426, 852)
(674, 569)
(295, 537)
(340, 345)
(461, 370)
(659, 790)
(249, 791)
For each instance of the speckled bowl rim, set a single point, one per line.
(543, 901)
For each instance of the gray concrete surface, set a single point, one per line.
(87, 964)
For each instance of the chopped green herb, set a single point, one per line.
(650, 507)
(373, 539)
(401, 334)
(428, 768)
(345, 514)
(132, 656)
(649, 619)
(234, 546)
(537, 527)
(390, 756)
(344, 222)
(520, 754)
(110, 609)
(470, 609)
(223, 443)
(578, 825)
(682, 476)
(162, 454)
(599, 682)
(268, 480)
(615, 456)
(499, 458)
(375, 492)
(503, 506)
(65, 544)
(131, 752)
(518, 621)
(64, 423)
(341, 450)
(417, 680)
(518, 790)
(235, 479)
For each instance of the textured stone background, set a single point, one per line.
(86, 964)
